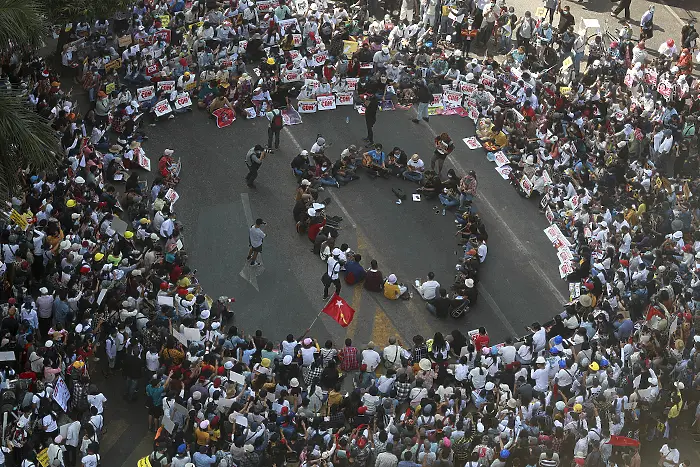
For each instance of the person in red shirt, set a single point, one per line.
(527, 110)
(481, 340)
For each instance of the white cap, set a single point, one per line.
(540, 360)
(305, 182)
(287, 360)
(205, 314)
(228, 365)
(294, 383)
(489, 386)
(336, 252)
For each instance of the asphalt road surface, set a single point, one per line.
(519, 281)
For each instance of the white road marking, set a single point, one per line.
(512, 236)
(673, 13)
(334, 197)
(497, 309)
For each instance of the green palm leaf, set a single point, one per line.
(22, 24)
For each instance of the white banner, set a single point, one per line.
(183, 100)
(290, 76)
(145, 93)
(307, 107)
(61, 394)
(344, 98)
(326, 102)
(452, 98)
(162, 108)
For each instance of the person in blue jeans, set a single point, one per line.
(414, 169)
(448, 198)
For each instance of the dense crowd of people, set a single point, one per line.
(96, 278)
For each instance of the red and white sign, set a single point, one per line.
(142, 160)
(290, 76)
(452, 98)
(467, 88)
(526, 185)
(145, 94)
(264, 6)
(665, 88)
(629, 78)
(488, 82)
(162, 108)
(326, 102)
(224, 117)
(437, 99)
(352, 83)
(163, 34)
(320, 58)
(172, 196)
(344, 98)
(565, 269)
(166, 86)
(183, 100)
(152, 70)
(295, 55)
(296, 38)
(501, 159)
(307, 107)
(650, 76)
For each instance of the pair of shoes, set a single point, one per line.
(325, 297)
(254, 263)
(251, 185)
(248, 258)
(171, 116)
(426, 119)
(337, 184)
(613, 14)
(365, 139)
(415, 120)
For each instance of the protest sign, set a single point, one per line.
(162, 108)
(452, 98)
(307, 107)
(114, 64)
(166, 86)
(344, 98)
(145, 93)
(224, 117)
(183, 100)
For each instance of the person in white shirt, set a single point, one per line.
(428, 289)
(72, 442)
(541, 375)
(55, 452)
(371, 357)
(669, 456)
(334, 266)
(393, 353)
(507, 352)
(97, 400)
(539, 338)
(414, 169)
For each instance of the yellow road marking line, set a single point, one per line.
(382, 328)
(356, 293)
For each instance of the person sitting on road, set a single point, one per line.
(431, 184)
(428, 289)
(375, 161)
(354, 272)
(392, 290)
(396, 161)
(414, 169)
(342, 170)
(374, 277)
(440, 306)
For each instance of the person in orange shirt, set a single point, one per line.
(481, 339)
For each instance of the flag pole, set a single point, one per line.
(316, 318)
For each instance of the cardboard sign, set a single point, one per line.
(172, 196)
(114, 64)
(501, 159)
(320, 58)
(472, 142)
(488, 82)
(295, 55)
(301, 6)
(467, 88)
(264, 6)
(166, 85)
(19, 220)
(549, 214)
(308, 107)
(452, 98)
(665, 88)
(474, 114)
(163, 34)
(565, 269)
(290, 76)
(504, 171)
(224, 117)
(350, 47)
(146, 93)
(541, 12)
(143, 161)
(110, 87)
(352, 83)
(291, 117)
(565, 255)
(285, 23)
(190, 85)
(526, 185)
(344, 98)
(437, 100)
(183, 100)
(61, 394)
(164, 20)
(124, 41)
(296, 40)
(651, 76)
(567, 62)
(162, 108)
(629, 78)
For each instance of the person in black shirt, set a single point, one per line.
(371, 107)
(439, 306)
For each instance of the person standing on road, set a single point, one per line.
(276, 124)
(424, 99)
(331, 275)
(371, 107)
(623, 5)
(443, 147)
(255, 238)
(253, 159)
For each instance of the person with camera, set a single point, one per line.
(253, 159)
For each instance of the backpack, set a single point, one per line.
(276, 123)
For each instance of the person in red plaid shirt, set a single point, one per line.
(348, 357)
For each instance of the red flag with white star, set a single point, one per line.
(339, 310)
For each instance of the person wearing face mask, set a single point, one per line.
(381, 58)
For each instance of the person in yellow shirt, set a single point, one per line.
(392, 290)
(201, 435)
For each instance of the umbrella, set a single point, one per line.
(622, 441)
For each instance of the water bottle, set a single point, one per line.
(347, 119)
(443, 211)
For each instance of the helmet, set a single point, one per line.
(670, 43)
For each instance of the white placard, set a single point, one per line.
(166, 85)
(352, 83)
(452, 98)
(172, 196)
(344, 98)
(472, 142)
(180, 337)
(145, 93)
(166, 300)
(501, 159)
(307, 107)
(504, 171)
(61, 394)
(183, 100)
(236, 377)
(192, 334)
(326, 102)
(162, 108)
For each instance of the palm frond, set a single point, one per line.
(27, 141)
(22, 24)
